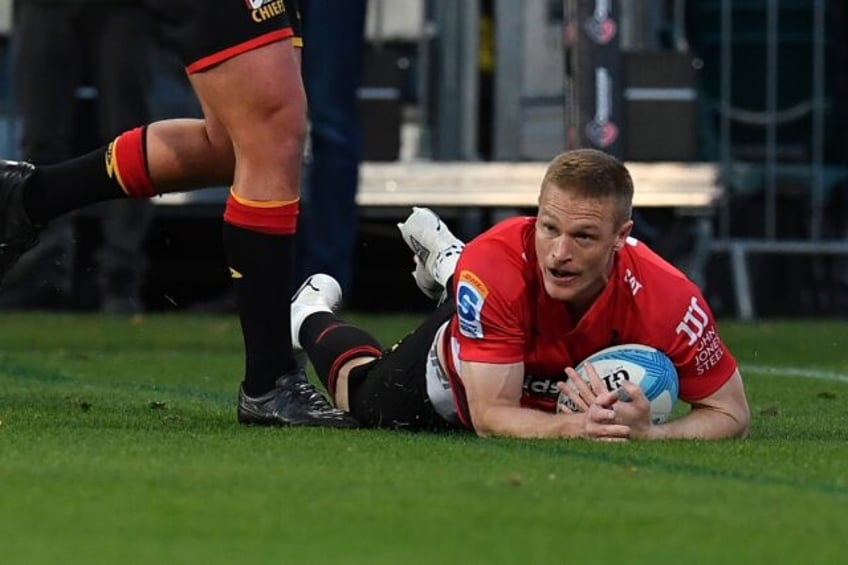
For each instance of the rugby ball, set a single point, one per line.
(646, 366)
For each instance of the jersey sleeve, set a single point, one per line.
(671, 314)
(702, 359)
(490, 304)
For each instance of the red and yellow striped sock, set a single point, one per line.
(259, 240)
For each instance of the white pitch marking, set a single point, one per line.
(795, 372)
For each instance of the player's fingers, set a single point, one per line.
(610, 432)
(601, 422)
(564, 403)
(601, 414)
(581, 386)
(580, 403)
(595, 382)
(566, 407)
(607, 398)
(633, 393)
(611, 439)
(635, 410)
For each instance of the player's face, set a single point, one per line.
(576, 240)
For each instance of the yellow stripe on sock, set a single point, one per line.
(261, 203)
(112, 169)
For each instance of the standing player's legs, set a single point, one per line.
(267, 126)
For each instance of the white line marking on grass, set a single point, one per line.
(796, 372)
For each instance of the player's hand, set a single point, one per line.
(599, 423)
(633, 410)
(597, 416)
(582, 393)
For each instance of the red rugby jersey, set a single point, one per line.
(504, 315)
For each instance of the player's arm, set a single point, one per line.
(722, 414)
(494, 391)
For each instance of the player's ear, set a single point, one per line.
(623, 234)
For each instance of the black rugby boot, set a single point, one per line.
(292, 402)
(17, 234)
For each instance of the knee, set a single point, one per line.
(277, 121)
(286, 125)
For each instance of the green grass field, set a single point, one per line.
(118, 444)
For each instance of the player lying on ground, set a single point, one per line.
(527, 300)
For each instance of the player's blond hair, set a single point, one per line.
(590, 173)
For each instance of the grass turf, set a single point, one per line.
(118, 444)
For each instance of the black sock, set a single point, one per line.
(54, 190)
(330, 342)
(261, 266)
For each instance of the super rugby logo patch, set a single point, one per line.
(470, 296)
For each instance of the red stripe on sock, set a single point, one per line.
(273, 220)
(129, 161)
(333, 373)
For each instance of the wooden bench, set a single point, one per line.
(684, 186)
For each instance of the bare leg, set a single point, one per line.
(341, 398)
(265, 123)
(252, 139)
(186, 154)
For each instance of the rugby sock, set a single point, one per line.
(330, 343)
(259, 240)
(114, 171)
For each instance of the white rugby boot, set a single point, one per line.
(436, 250)
(318, 293)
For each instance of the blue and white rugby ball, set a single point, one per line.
(646, 366)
